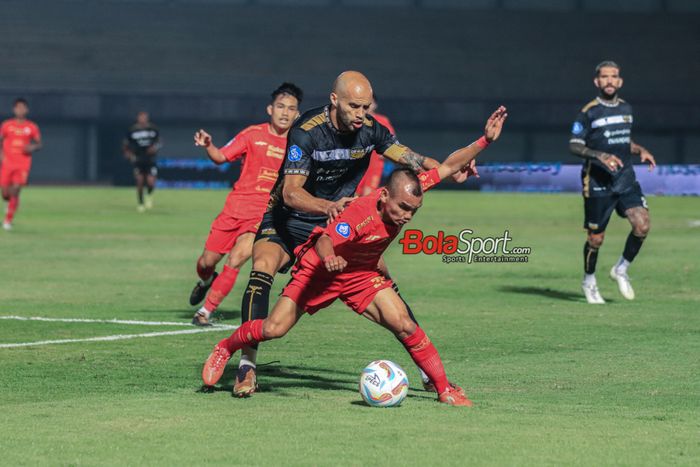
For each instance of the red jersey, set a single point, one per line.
(16, 136)
(263, 154)
(359, 234)
(373, 176)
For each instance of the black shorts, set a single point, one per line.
(145, 168)
(278, 226)
(598, 209)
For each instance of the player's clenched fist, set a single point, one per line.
(334, 263)
(202, 138)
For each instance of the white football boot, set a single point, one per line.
(592, 294)
(623, 283)
(7, 226)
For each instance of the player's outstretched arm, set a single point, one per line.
(203, 139)
(325, 251)
(457, 161)
(611, 162)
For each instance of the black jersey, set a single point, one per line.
(605, 127)
(140, 138)
(333, 162)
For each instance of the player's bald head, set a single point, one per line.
(404, 181)
(352, 84)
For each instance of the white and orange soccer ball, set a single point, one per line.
(383, 384)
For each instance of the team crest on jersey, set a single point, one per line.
(343, 229)
(294, 154)
(577, 128)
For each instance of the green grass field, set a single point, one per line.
(555, 381)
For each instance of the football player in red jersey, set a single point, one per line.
(20, 138)
(340, 261)
(262, 148)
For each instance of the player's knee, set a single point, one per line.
(207, 261)
(405, 327)
(236, 260)
(642, 229)
(596, 240)
(273, 330)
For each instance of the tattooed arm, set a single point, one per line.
(611, 162)
(416, 161)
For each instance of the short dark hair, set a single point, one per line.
(606, 63)
(394, 181)
(290, 89)
(20, 100)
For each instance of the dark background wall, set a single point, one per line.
(439, 66)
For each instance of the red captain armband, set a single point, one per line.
(482, 142)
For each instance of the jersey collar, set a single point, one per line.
(607, 103)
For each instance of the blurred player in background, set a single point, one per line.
(20, 139)
(373, 176)
(140, 147)
(602, 136)
(233, 231)
(327, 155)
(341, 261)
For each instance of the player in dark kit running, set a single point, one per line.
(340, 261)
(328, 152)
(140, 147)
(602, 136)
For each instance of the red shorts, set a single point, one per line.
(13, 175)
(313, 288)
(225, 230)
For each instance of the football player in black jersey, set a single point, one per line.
(328, 151)
(140, 147)
(602, 136)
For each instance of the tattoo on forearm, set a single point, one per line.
(413, 160)
(587, 153)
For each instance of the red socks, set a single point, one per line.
(220, 288)
(250, 333)
(424, 353)
(12, 206)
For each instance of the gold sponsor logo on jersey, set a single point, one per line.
(363, 223)
(267, 175)
(274, 151)
(260, 143)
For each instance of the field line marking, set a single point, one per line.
(105, 321)
(118, 337)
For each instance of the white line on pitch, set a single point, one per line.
(119, 337)
(105, 321)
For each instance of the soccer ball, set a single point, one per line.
(383, 384)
